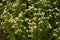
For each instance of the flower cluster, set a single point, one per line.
(30, 19)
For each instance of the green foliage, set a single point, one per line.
(30, 19)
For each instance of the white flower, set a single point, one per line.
(33, 23)
(31, 28)
(54, 2)
(3, 0)
(40, 22)
(49, 26)
(16, 31)
(35, 14)
(3, 27)
(26, 30)
(4, 11)
(41, 0)
(1, 4)
(24, 27)
(40, 29)
(13, 26)
(26, 10)
(29, 0)
(22, 20)
(14, 4)
(59, 28)
(56, 8)
(53, 12)
(39, 19)
(50, 15)
(23, 35)
(24, 4)
(56, 30)
(52, 9)
(19, 30)
(57, 22)
(20, 15)
(30, 20)
(31, 7)
(35, 27)
(47, 17)
(4, 31)
(35, 9)
(12, 20)
(59, 37)
(16, 18)
(30, 35)
(34, 18)
(29, 23)
(54, 34)
(57, 14)
(43, 13)
(49, 9)
(26, 19)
